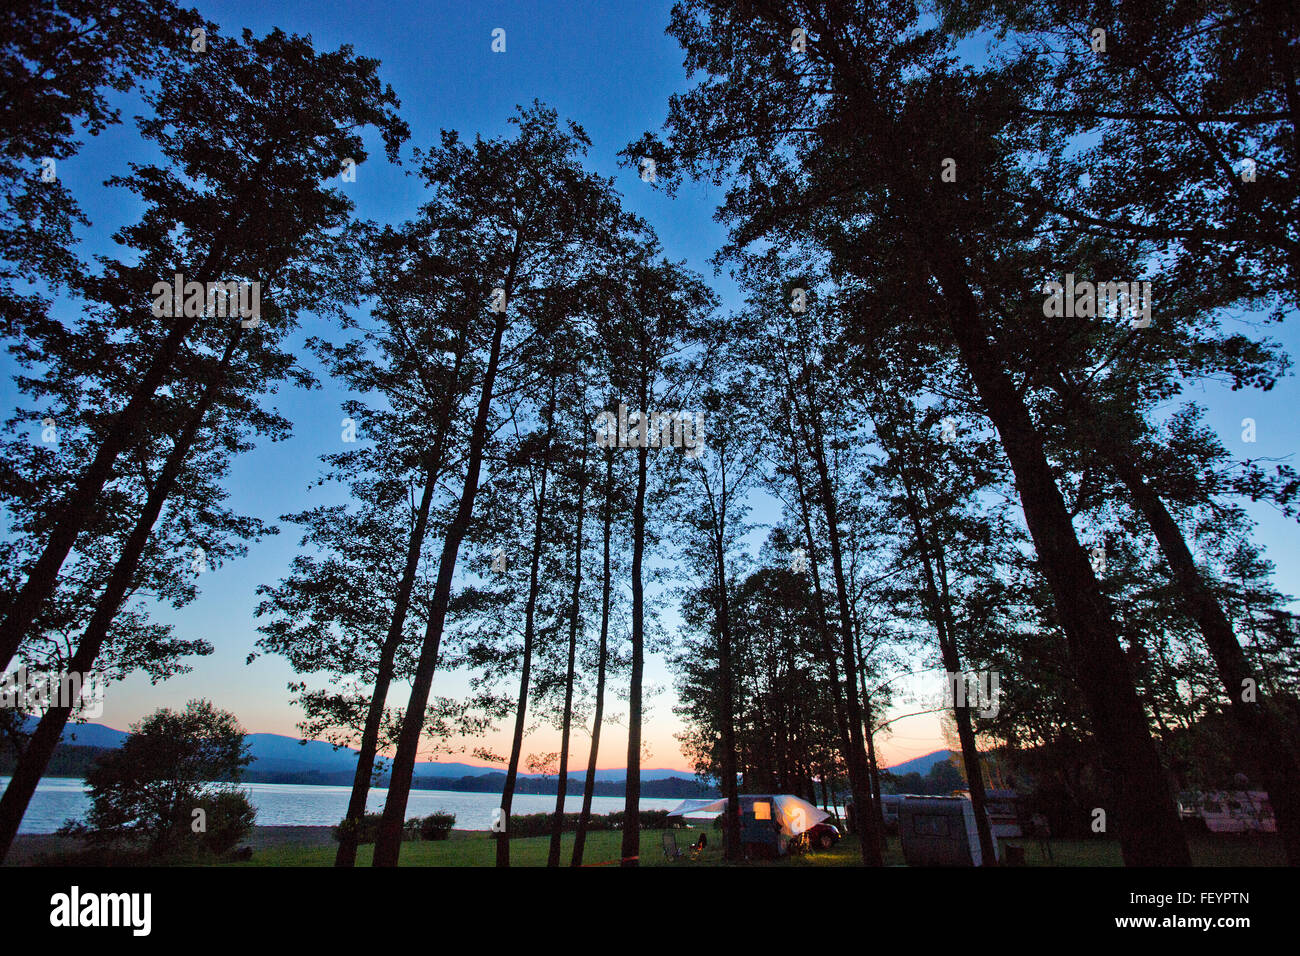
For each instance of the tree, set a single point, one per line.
(581, 477)
(805, 397)
(905, 113)
(196, 212)
(534, 213)
(416, 359)
(715, 486)
(208, 208)
(660, 310)
(160, 785)
(609, 503)
(58, 59)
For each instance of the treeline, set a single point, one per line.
(550, 423)
(68, 760)
(982, 297)
(942, 779)
(475, 370)
(668, 787)
(76, 761)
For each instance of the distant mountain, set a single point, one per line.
(920, 765)
(621, 773)
(86, 735)
(275, 754)
(674, 787)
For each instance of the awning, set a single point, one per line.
(793, 813)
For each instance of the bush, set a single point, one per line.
(650, 820)
(145, 792)
(539, 824)
(229, 819)
(437, 825)
(368, 828)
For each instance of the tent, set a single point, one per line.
(792, 813)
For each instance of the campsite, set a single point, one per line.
(707, 436)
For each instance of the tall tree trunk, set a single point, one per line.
(819, 608)
(873, 769)
(347, 851)
(589, 786)
(731, 832)
(562, 786)
(36, 756)
(970, 754)
(77, 509)
(1268, 747)
(1271, 753)
(631, 847)
(868, 819)
(388, 841)
(525, 671)
(1144, 813)
(941, 616)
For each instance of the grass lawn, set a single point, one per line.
(476, 848)
(471, 848)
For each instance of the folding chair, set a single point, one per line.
(670, 846)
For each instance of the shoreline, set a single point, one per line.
(417, 787)
(27, 847)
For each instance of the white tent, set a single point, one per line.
(794, 815)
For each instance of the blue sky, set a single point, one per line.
(606, 65)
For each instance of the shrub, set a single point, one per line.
(367, 827)
(539, 824)
(650, 820)
(437, 825)
(145, 791)
(229, 819)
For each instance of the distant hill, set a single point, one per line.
(921, 765)
(280, 759)
(86, 735)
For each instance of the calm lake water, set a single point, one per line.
(295, 804)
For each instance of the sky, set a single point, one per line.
(609, 67)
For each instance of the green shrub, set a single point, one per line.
(230, 818)
(143, 794)
(437, 825)
(539, 824)
(368, 828)
(650, 820)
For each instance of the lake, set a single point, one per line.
(307, 805)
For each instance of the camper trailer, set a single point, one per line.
(889, 804)
(938, 831)
(768, 821)
(1003, 810)
(1229, 811)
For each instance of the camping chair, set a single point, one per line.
(798, 844)
(1042, 832)
(670, 846)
